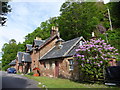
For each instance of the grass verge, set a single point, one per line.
(62, 83)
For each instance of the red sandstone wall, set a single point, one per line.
(64, 70)
(36, 55)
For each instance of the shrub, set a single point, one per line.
(93, 58)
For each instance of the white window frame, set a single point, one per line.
(71, 64)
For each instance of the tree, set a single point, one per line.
(80, 19)
(113, 38)
(9, 51)
(115, 12)
(4, 9)
(93, 57)
(21, 47)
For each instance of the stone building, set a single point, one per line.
(13, 63)
(22, 62)
(53, 57)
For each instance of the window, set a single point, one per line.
(50, 63)
(71, 67)
(44, 65)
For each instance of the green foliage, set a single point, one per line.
(63, 83)
(9, 52)
(80, 19)
(93, 58)
(5, 67)
(113, 38)
(21, 47)
(4, 9)
(31, 73)
(115, 12)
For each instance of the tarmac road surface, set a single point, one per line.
(16, 81)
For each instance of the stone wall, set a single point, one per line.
(35, 58)
(36, 54)
(64, 69)
(18, 67)
(47, 68)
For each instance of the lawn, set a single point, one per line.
(63, 83)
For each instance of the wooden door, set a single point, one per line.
(56, 68)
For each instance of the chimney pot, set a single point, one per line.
(54, 31)
(37, 38)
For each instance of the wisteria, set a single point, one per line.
(94, 55)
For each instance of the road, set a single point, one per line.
(16, 81)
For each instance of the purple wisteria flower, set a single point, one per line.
(95, 52)
(77, 50)
(99, 49)
(104, 54)
(88, 50)
(82, 55)
(83, 58)
(82, 65)
(78, 55)
(102, 57)
(101, 61)
(98, 65)
(104, 43)
(106, 58)
(116, 53)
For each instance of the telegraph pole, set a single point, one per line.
(110, 19)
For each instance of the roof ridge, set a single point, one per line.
(73, 45)
(71, 40)
(47, 41)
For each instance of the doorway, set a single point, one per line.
(56, 68)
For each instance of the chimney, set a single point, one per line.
(54, 31)
(37, 38)
(93, 34)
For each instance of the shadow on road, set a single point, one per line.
(16, 81)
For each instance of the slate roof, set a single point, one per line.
(12, 63)
(20, 55)
(26, 57)
(48, 40)
(29, 47)
(38, 42)
(66, 46)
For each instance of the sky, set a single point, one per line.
(26, 17)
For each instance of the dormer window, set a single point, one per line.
(59, 43)
(60, 46)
